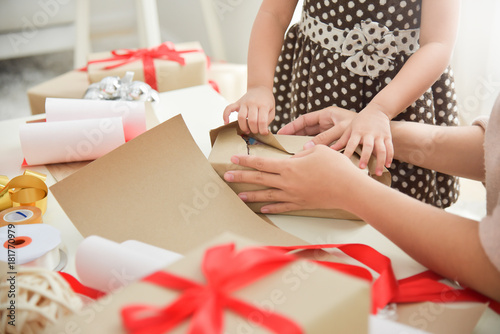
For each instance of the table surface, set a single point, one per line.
(201, 109)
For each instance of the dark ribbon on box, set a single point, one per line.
(165, 51)
(225, 271)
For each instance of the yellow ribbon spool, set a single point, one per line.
(28, 189)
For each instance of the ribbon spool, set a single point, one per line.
(27, 189)
(32, 245)
(21, 215)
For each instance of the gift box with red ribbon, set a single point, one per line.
(229, 285)
(165, 67)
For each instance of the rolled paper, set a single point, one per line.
(133, 113)
(25, 190)
(68, 141)
(106, 265)
(21, 215)
(35, 245)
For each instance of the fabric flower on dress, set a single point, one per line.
(371, 48)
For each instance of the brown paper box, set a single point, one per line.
(227, 142)
(319, 299)
(71, 85)
(160, 189)
(170, 75)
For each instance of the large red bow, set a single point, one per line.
(165, 51)
(225, 271)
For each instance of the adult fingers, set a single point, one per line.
(270, 165)
(266, 195)
(279, 207)
(302, 125)
(254, 177)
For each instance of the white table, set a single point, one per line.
(202, 108)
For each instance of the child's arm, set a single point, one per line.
(439, 25)
(257, 106)
(454, 150)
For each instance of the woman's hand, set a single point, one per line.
(255, 110)
(318, 178)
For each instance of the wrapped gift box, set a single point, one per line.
(316, 299)
(69, 85)
(189, 70)
(227, 141)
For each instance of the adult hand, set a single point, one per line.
(371, 129)
(318, 178)
(255, 110)
(327, 125)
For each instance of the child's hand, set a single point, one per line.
(327, 124)
(370, 128)
(255, 110)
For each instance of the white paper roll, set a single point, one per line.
(133, 113)
(36, 245)
(105, 265)
(56, 142)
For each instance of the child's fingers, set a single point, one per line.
(381, 155)
(329, 136)
(351, 146)
(242, 119)
(366, 152)
(228, 110)
(253, 118)
(264, 119)
(342, 142)
(390, 152)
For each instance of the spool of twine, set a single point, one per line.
(42, 297)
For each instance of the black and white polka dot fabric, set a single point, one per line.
(342, 53)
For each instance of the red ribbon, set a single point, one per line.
(226, 270)
(165, 51)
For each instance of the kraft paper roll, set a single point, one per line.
(68, 141)
(21, 215)
(105, 265)
(133, 113)
(36, 245)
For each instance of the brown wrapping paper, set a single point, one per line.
(69, 85)
(170, 75)
(160, 189)
(227, 142)
(319, 299)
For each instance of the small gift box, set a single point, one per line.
(228, 141)
(70, 85)
(230, 286)
(165, 67)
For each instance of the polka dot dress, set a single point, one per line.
(342, 53)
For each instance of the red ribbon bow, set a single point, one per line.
(226, 271)
(165, 51)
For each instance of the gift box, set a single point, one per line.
(166, 67)
(261, 287)
(228, 141)
(69, 85)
